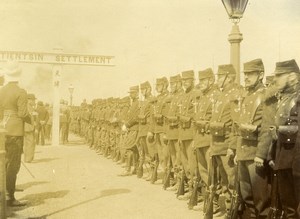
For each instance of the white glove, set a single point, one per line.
(258, 162)
(150, 135)
(272, 164)
(124, 128)
(230, 152)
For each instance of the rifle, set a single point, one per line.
(236, 202)
(275, 211)
(210, 192)
(194, 197)
(166, 182)
(180, 190)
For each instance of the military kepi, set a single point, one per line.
(175, 78)
(207, 73)
(162, 80)
(145, 85)
(188, 74)
(286, 67)
(133, 89)
(226, 69)
(255, 65)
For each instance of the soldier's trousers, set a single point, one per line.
(162, 150)
(188, 157)
(296, 174)
(40, 137)
(202, 156)
(254, 188)
(174, 151)
(287, 193)
(143, 150)
(14, 148)
(227, 174)
(29, 146)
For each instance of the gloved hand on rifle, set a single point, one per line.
(231, 157)
(258, 162)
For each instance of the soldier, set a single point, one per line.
(202, 118)
(42, 119)
(157, 128)
(14, 112)
(144, 120)
(187, 110)
(224, 114)
(29, 128)
(250, 155)
(131, 127)
(172, 129)
(284, 157)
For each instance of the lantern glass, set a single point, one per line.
(235, 8)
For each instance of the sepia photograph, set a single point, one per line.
(149, 109)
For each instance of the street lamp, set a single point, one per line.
(235, 10)
(71, 89)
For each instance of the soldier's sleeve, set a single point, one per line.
(22, 106)
(133, 118)
(265, 139)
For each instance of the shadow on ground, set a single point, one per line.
(44, 160)
(39, 198)
(27, 185)
(74, 143)
(104, 193)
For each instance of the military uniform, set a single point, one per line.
(29, 135)
(187, 110)
(286, 150)
(157, 127)
(172, 130)
(202, 119)
(249, 126)
(225, 112)
(131, 125)
(144, 125)
(14, 112)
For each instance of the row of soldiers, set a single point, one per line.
(215, 139)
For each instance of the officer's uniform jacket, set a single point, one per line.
(187, 110)
(158, 113)
(225, 113)
(286, 121)
(202, 118)
(249, 124)
(144, 116)
(13, 106)
(172, 122)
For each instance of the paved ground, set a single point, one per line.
(73, 182)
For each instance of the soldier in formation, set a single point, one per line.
(227, 150)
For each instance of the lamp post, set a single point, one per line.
(71, 89)
(235, 10)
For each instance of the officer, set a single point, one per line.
(187, 110)
(144, 123)
(224, 113)
(29, 135)
(172, 131)
(284, 155)
(157, 127)
(250, 156)
(131, 127)
(202, 118)
(14, 112)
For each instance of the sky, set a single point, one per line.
(149, 39)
